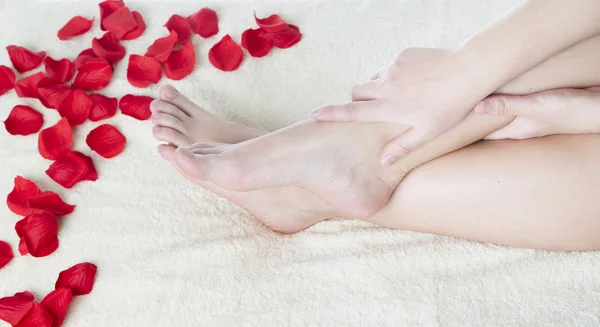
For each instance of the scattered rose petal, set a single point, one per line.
(181, 62)
(76, 107)
(108, 47)
(143, 71)
(38, 316)
(204, 22)
(76, 26)
(52, 96)
(23, 120)
(271, 24)
(27, 87)
(107, 8)
(55, 141)
(17, 199)
(106, 140)
(226, 55)
(23, 250)
(79, 278)
(50, 202)
(254, 41)
(24, 59)
(67, 171)
(104, 107)
(93, 74)
(14, 308)
(92, 174)
(180, 25)
(6, 254)
(119, 22)
(161, 48)
(286, 38)
(7, 79)
(139, 30)
(59, 70)
(135, 106)
(83, 56)
(57, 302)
(40, 234)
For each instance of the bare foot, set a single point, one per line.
(180, 122)
(337, 161)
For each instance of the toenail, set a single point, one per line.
(170, 92)
(154, 104)
(186, 153)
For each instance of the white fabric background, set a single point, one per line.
(171, 254)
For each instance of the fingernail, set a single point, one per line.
(186, 153)
(388, 160)
(483, 107)
(317, 112)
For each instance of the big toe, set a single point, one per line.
(169, 94)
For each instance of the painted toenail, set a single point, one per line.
(186, 153)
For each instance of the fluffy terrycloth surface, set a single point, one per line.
(171, 254)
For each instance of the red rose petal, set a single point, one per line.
(254, 41)
(204, 22)
(107, 8)
(286, 38)
(92, 174)
(50, 202)
(226, 55)
(17, 198)
(180, 25)
(52, 96)
(24, 59)
(59, 70)
(120, 22)
(38, 316)
(55, 141)
(139, 30)
(271, 24)
(143, 71)
(27, 87)
(104, 107)
(76, 26)
(83, 56)
(23, 250)
(161, 48)
(108, 47)
(6, 254)
(106, 140)
(79, 278)
(57, 302)
(76, 107)
(23, 120)
(67, 171)
(93, 74)
(181, 62)
(14, 308)
(7, 79)
(135, 106)
(40, 234)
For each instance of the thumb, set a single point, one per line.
(507, 105)
(402, 145)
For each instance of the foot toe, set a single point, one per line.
(166, 151)
(165, 107)
(166, 120)
(169, 135)
(169, 94)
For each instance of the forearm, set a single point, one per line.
(528, 35)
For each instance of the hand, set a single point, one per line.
(562, 111)
(429, 90)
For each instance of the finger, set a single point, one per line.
(364, 111)
(402, 145)
(508, 105)
(364, 91)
